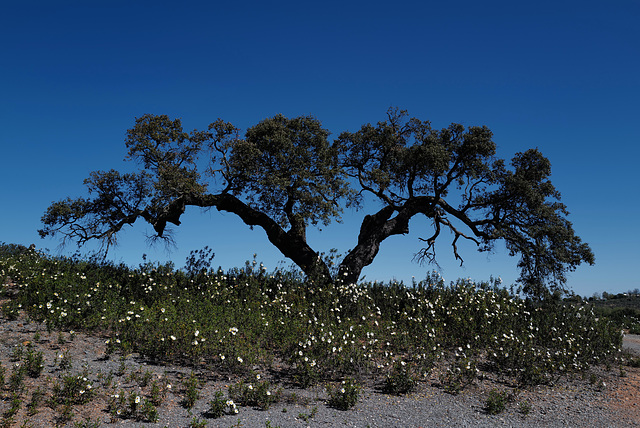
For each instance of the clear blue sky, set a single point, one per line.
(562, 76)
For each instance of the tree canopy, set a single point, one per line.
(285, 175)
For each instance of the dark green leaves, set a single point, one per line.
(169, 153)
(401, 158)
(524, 211)
(118, 199)
(288, 169)
(285, 175)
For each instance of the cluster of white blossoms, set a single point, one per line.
(232, 406)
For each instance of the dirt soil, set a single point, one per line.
(613, 400)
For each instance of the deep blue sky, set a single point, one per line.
(562, 76)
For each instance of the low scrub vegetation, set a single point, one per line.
(621, 309)
(247, 321)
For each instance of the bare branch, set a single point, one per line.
(428, 254)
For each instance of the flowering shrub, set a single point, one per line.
(133, 406)
(259, 394)
(242, 319)
(344, 395)
(400, 380)
(219, 406)
(191, 392)
(74, 389)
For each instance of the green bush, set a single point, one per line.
(258, 394)
(496, 402)
(344, 395)
(234, 321)
(73, 389)
(191, 392)
(400, 380)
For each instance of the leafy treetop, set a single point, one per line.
(286, 175)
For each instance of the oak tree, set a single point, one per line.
(285, 175)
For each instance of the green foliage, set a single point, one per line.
(14, 406)
(87, 423)
(16, 380)
(16, 353)
(66, 414)
(3, 372)
(148, 412)
(198, 263)
(525, 408)
(72, 389)
(63, 360)
(132, 406)
(461, 373)
(218, 406)
(159, 392)
(258, 394)
(197, 423)
(634, 362)
(306, 373)
(308, 416)
(287, 169)
(36, 398)
(34, 362)
(191, 392)
(10, 310)
(496, 402)
(623, 310)
(285, 176)
(232, 322)
(400, 380)
(343, 396)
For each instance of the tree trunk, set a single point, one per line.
(378, 227)
(375, 229)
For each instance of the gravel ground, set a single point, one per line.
(613, 401)
(631, 343)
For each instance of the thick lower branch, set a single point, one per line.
(380, 226)
(291, 245)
